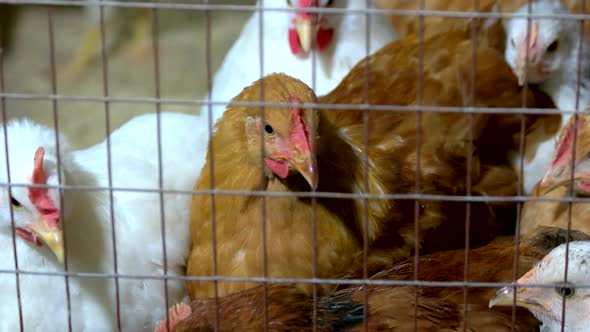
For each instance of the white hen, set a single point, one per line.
(288, 40)
(553, 46)
(546, 303)
(88, 226)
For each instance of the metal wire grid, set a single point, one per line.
(207, 8)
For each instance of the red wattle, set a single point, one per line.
(324, 37)
(29, 236)
(40, 196)
(294, 43)
(584, 185)
(279, 168)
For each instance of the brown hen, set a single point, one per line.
(288, 166)
(446, 143)
(409, 24)
(445, 151)
(391, 308)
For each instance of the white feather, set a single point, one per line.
(561, 86)
(88, 226)
(551, 271)
(241, 66)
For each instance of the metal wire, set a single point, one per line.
(57, 146)
(11, 207)
(251, 8)
(468, 108)
(212, 167)
(156, 51)
(419, 102)
(323, 194)
(468, 184)
(107, 112)
(332, 281)
(263, 200)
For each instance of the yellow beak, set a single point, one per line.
(525, 298)
(519, 71)
(307, 166)
(304, 31)
(53, 238)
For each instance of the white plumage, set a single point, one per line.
(553, 65)
(547, 303)
(88, 229)
(242, 64)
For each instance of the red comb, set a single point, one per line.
(38, 173)
(299, 134)
(40, 196)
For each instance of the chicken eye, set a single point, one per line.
(553, 47)
(512, 42)
(14, 202)
(268, 129)
(330, 2)
(565, 291)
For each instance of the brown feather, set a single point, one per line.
(445, 145)
(410, 24)
(391, 308)
(445, 150)
(238, 218)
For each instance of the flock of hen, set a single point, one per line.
(255, 225)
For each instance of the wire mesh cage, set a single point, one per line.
(419, 167)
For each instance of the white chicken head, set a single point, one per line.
(32, 157)
(309, 30)
(545, 303)
(550, 42)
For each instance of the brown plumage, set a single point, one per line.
(340, 149)
(442, 308)
(390, 307)
(445, 139)
(236, 148)
(555, 184)
(288, 310)
(408, 24)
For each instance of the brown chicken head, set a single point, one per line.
(288, 131)
(560, 171)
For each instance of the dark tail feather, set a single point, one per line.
(338, 312)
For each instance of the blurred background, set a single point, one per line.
(26, 63)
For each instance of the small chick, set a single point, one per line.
(546, 303)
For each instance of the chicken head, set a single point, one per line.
(560, 171)
(545, 303)
(309, 29)
(539, 51)
(288, 139)
(36, 210)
